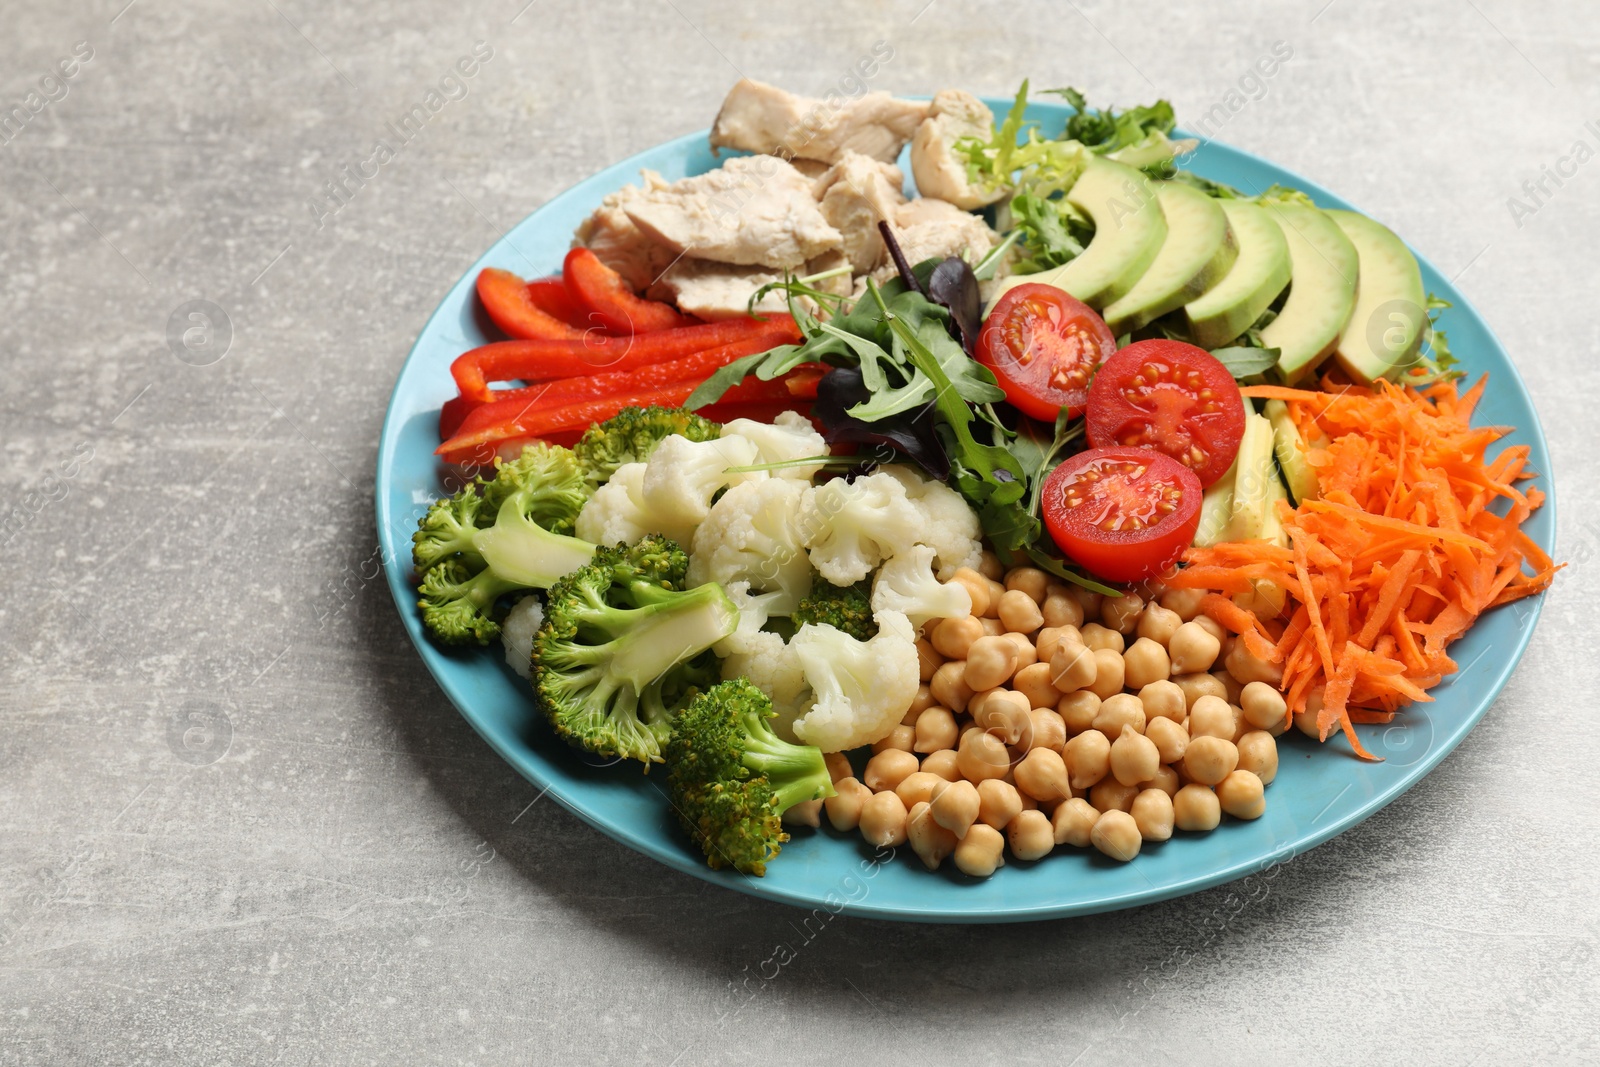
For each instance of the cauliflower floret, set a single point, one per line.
(862, 688)
(616, 512)
(949, 525)
(753, 534)
(762, 657)
(791, 436)
(906, 584)
(851, 527)
(516, 633)
(682, 476)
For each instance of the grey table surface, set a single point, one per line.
(340, 871)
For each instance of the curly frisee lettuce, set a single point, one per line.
(730, 778)
(497, 537)
(623, 645)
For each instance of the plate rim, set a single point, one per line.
(397, 573)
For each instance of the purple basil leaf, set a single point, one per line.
(953, 284)
(909, 432)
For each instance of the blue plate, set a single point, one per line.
(1320, 790)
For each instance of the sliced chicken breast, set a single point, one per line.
(856, 194)
(936, 229)
(758, 117)
(621, 245)
(940, 173)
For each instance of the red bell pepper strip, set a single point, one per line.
(509, 303)
(601, 290)
(551, 296)
(537, 361)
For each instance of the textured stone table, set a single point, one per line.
(238, 821)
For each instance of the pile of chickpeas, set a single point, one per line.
(1055, 716)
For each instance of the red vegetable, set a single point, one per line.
(536, 361)
(601, 291)
(509, 303)
(1043, 346)
(551, 296)
(1126, 514)
(1172, 397)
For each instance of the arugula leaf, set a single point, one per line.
(1243, 361)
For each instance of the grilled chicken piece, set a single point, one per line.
(763, 118)
(939, 172)
(621, 245)
(857, 193)
(751, 211)
(723, 291)
(936, 229)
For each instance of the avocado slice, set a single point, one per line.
(1198, 252)
(1252, 481)
(1324, 268)
(1228, 308)
(1386, 327)
(1290, 448)
(1128, 232)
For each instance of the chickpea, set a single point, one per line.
(1185, 603)
(1258, 754)
(888, 769)
(838, 767)
(983, 756)
(1209, 760)
(943, 763)
(1165, 779)
(1195, 807)
(901, 737)
(1096, 637)
(1241, 725)
(1192, 649)
(992, 627)
(1171, 740)
(918, 786)
(883, 820)
(935, 730)
(1232, 688)
(1241, 795)
(1005, 714)
(1108, 668)
(1134, 758)
(1051, 638)
(1077, 711)
(977, 586)
(928, 658)
(1244, 666)
(1158, 624)
(1031, 835)
(980, 852)
(805, 813)
(1123, 709)
(1111, 795)
(1072, 820)
(1152, 814)
(1072, 667)
(1212, 627)
(1163, 700)
(1211, 717)
(1033, 682)
(1088, 758)
(990, 567)
(991, 661)
(1145, 662)
(949, 685)
(930, 841)
(1030, 580)
(998, 802)
(1197, 685)
(1059, 609)
(1088, 601)
(1020, 612)
(844, 807)
(955, 807)
(996, 591)
(1049, 729)
(1116, 834)
(1122, 613)
(1027, 653)
(1042, 775)
(952, 637)
(1263, 705)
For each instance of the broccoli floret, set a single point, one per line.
(623, 646)
(632, 434)
(730, 777)
(495, 537)
(846, 607)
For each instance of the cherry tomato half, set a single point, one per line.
(1172, 397)
(1043, 346)
(1126, 514)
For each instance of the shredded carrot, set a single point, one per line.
(1399, 555)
